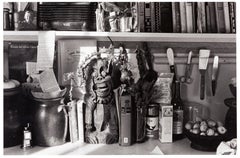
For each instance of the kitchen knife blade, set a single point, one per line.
(214, 74)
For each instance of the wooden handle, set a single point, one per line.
(189, 57)
(202, 86)
(170, 56)
(172, 70)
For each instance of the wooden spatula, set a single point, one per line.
(203, 62)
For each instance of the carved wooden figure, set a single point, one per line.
(101, 121)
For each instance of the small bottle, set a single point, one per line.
(152, 121)
(177, 113)
(27, 137)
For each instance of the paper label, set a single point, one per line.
(48, 82)
(178, 122)
(31, 68)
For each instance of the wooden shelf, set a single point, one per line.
(124, 36)
(180, 147)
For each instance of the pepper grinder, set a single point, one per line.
(231, 115)
(27, 137)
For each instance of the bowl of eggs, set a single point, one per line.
(205, 134)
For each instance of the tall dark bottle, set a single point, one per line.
(177, 113)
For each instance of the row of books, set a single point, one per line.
(176, 17)
(187, 17)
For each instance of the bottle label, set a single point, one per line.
(152, 127)
(178, 122)
(125, 104)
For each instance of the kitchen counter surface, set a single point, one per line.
(180, 147)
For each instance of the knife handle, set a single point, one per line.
(213, 87)
(172, 70)
(202, 86)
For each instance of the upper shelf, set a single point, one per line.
(124, 36)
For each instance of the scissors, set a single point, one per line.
(186, 78)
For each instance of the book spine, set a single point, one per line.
(80, 121)
(220, 17)
(213, 20)
(194, 15)
(147, 17)
(166, 17)
(141, 16)
(189, 17)
(183, 17)
(208, 20)
(158, 17)
(199, 18)
(174, 20)
(203, 20)
(178, 19)
(226, 16)
(232, 17)
(153, 18)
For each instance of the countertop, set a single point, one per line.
(180, 147)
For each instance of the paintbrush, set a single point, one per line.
(203, 62)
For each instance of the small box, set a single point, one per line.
(165, 123)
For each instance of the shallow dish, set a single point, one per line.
(49, 95)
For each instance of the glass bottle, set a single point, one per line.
(125, 117)
(177, 113)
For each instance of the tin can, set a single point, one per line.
(152, 121)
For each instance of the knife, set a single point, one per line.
(214, 74)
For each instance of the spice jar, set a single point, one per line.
(152, 121)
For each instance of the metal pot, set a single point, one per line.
(50, 122)
(13, 117)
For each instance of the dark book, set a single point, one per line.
(213, 21)
(232, 16)
(220, 17)
(194, 5)
(174, 17)
(18, 54)
(141, 15)
(178, 20)
(166, 17)
(208, 19)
